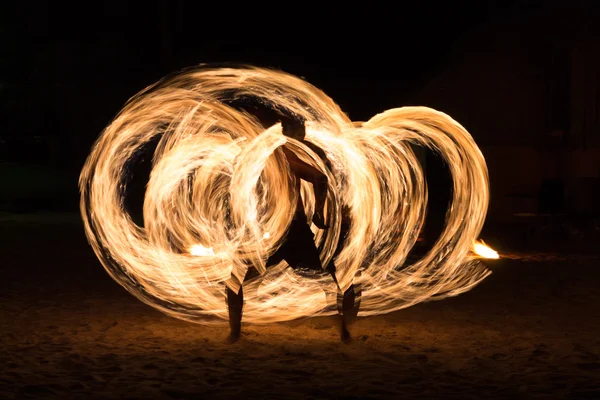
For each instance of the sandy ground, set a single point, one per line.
(531, 330)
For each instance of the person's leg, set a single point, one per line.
(348, 305)
(235, 304)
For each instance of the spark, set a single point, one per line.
(220, 178)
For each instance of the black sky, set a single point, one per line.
(351, 50)
(67, 68)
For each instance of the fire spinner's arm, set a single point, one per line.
(319, 181)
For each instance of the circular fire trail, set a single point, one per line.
(219, 200)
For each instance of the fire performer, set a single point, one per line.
(299, 249)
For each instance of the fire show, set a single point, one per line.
(388, 201)
(227, 192)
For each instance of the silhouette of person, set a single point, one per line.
(299, 249)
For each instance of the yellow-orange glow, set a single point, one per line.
(220, 179)
(199, 250)
(483, 250)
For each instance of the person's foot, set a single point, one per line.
(233, 337)
(345, 336)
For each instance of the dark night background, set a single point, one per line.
(522, 76)
(67, 70)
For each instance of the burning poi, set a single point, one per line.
(218, 199)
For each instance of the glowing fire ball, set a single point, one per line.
(218, 199)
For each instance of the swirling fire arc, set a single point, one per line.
(218, 200)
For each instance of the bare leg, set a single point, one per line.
(235, 304)
(349, 311)
(347, 306)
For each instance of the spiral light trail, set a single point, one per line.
(219, 200)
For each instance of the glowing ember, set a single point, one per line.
(220, 179)
(483, 250)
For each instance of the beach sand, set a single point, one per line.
(67, 331)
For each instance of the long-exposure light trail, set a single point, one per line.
(219, 201)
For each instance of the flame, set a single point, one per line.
(199, 250)
(483, 250)
(211, 161)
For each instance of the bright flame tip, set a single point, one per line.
(484, 251)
